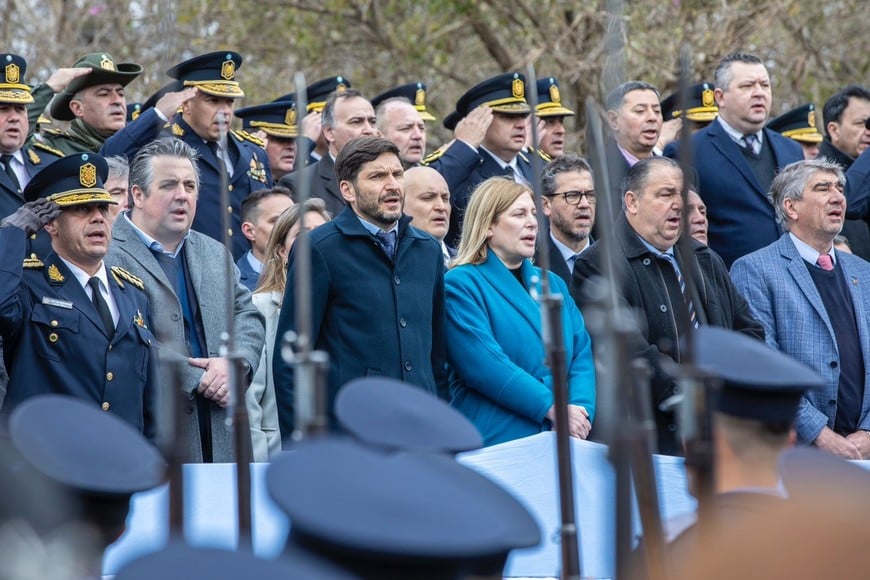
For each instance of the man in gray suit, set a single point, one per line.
(184, 272)
(814, 304)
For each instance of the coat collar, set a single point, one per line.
(348, 224)
(503, 283)
(798, 270)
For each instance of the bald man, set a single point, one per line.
(427, 202)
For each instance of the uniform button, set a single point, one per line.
(105, 406)
(32, 236)
(54, 323)
(663, 308)
(110, 347)
(402, 322)
(397, 280)
(408, 365)
(647, 261)
(833, 364)
(52, 337)
(229, 209)
(229, 188)
(109, 376)
(175, 316)
(229, 232)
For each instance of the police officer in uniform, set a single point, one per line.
(70, 325)
(273, 127)
(19, 161)
(204, 125)
(799, 125)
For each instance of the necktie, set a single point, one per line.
(102, 307)
(7, 167)
(691, 307)
(215, 148)
(825, 262)
(750, 141)
(388, 242)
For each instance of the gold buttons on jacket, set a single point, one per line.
(54, 323)
(105, 406)
(52, 337)
(109, 376)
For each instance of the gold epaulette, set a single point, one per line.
(245, 136)
(545, 156)
(119, 273)
(436, 154)
(177, 130)
(55, 133)
(49, 148)
(33, 262)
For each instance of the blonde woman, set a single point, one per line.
(260, 397)
(495, 348)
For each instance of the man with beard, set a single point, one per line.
(71, 324)
(377, 302)
(652, 282)
(736, 157)
(569, 202)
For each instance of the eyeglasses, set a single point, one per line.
(574, 197)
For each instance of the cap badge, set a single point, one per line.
(290, 117)
(811, 119)
(228, 70)
(518, 89)
(106, 63)
(13, 73)
(707, 98)
(554, 94)
(420, 98)
(88, 175)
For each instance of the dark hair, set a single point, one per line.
(638, 174)
(328, 118)
(250, 210)
(722, 76)
(832, 112)
(615, 97)
(564, 164)
(358, 152)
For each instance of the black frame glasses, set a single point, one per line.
(573, 197)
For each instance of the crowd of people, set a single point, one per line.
(137, 235)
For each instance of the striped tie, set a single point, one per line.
(692, 316)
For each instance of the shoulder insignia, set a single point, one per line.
(34, 158)
(139, 320)
(177, 130)
(545, 156)
(120, 274)
(245, 136)
(54, 274)
(522, 156)
(435, 155)
(33, 262)
(44, 147)
(54, 133)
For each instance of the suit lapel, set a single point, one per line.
(69, 289)
(122, 232)
(125, 308)
(804, 281)
(326, 172)
(730, 150)
(861, 306)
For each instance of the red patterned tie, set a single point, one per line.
(825, 262)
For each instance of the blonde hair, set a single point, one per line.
(489, 200)
(274, 276)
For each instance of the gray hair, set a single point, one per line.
(382, 107)
(564, 164)
(793, 180)
(723, 75)
(118, 167)
(328, 117)
(142, 168)
(615, 97)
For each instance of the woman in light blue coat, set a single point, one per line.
(499, 378)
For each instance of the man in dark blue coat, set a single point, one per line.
(736, 157)
(377, 302)
(500, 152)
(71, 325)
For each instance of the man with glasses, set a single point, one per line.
(569, 203)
